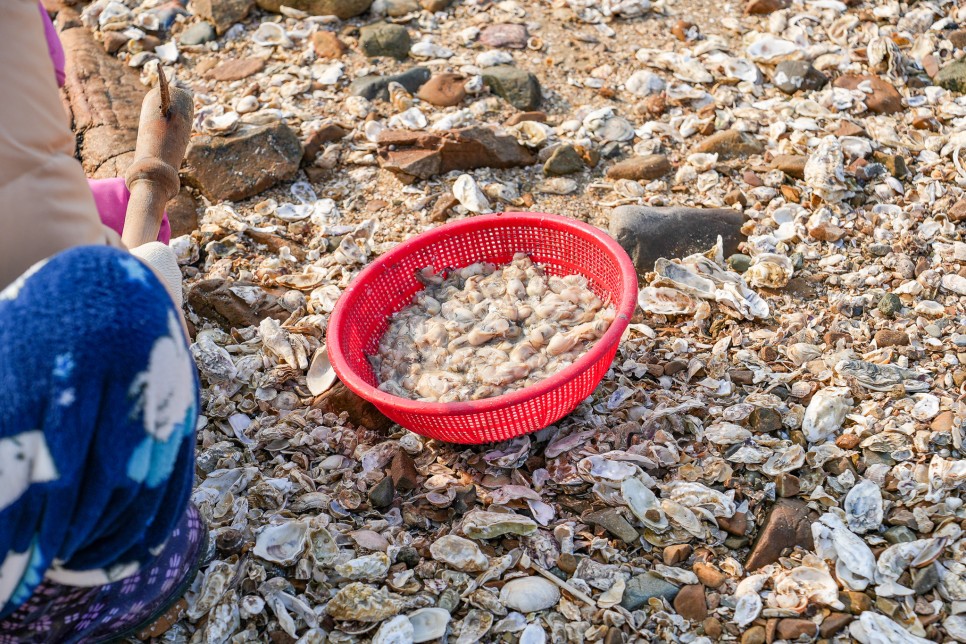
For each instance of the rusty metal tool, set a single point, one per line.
(152, 178)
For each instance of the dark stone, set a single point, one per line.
(385, 39)
(793, 75)
(643, 587)
(316, 140)
(791, 164)
(373, 87)
(518, 87)
(381, 495)
(613, 522)
(564, 160)
(183, 213)
(952, 76)
(647, 233)
(764, 420)
(788, 524)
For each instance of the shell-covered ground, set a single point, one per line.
(774, 456)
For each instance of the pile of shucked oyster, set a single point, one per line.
(486, 330)
(830, 371)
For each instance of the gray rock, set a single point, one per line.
(381, 495)
(793, 75)
(223, 13)
(385, 39)
(613, 522)
(899, 534)
(373, 87)
(564, 160)
(399, 8)
(952, 76)
(341, 8)
(197, 34)
(518, 87)
(739, 262)
(890, 305)
(924, 579)
(647, 234)
(643, 587)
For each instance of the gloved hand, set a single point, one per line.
(164, 262)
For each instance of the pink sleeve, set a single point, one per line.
(54, 46)
(111, 197)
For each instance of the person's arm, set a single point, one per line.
(45, 204)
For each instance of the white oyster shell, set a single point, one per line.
(459, 553)
(529, 594)
(863, 507)
(825, 413)
(429, 623)
(282, 544)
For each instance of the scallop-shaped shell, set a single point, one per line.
(271, 34)
(863, 507)
(282, 544)
(429, 624)
(767, 48)
(398, 630)
(769, 270)
(825, 413)
(644, 504)
(662, 300)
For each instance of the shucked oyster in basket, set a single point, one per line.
(484, 330)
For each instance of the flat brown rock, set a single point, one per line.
(788, 524)
(417, 155)
(229, 168)
(237, 69)
(884, 99)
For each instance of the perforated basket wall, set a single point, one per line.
(564, 246)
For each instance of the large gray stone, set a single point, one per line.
(518, 87)
(643, 587)
(647, 234)
(373, 87)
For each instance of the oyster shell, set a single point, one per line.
(481, 524)
(429, 624)
(863, 507)
(459, 553)
(398, 630)
(662, 300)
(769, 270)
(643, 504)
(361, 603)
(282, 544)
(371, 567)
(321, 376)
(825, 413)
(529, 594)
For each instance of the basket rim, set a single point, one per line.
(625, 303)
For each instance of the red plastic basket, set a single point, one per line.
(563, 246)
